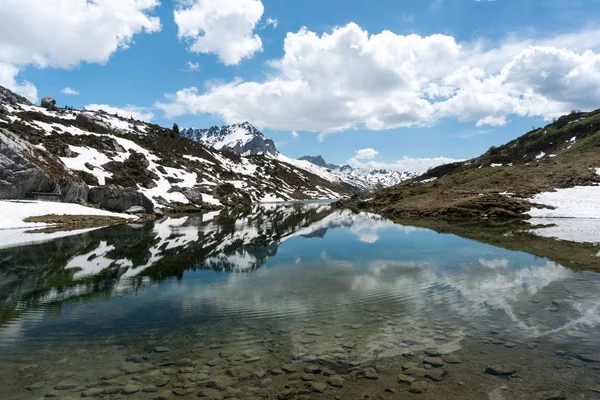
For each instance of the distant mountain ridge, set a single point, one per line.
(244, 139)
(318, 160)
(373, 179)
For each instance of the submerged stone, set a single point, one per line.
(499, 370)
(451, 359)
(434, 361)
(161, 349)
(402, 378)
(220, 382)
(319, 387)
(131, 389)
(93, 392)
(418, 387)
(336, 381)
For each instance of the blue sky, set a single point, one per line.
(338, 99)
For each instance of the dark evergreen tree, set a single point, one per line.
(176, 129)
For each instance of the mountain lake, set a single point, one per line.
(292, 301)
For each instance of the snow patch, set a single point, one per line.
(88, 155)
(14, 212)
(575, 202)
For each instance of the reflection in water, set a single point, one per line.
(292, 283)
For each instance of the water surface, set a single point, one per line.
(274, 303)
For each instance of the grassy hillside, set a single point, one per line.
(560, 155)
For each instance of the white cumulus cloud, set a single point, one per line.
(348, 78)
(418, 165)
(127, 112)
(64, 33)
(8, 79)
(221, 27)
(365, 154)
(295, 134)
(70, 91)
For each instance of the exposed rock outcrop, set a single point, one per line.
(318, 160)
(119, 199)
(73, 192)
(9, 97)
(19, 174)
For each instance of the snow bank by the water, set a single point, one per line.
(12, 213)
(571, 229)
(575, 202)
(19, 237)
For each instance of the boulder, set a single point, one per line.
(136, 210)
(48, 102)
(85, 118)
(117, 147)
(139, 158)
(119, 199)
(193, 194)
(230, 196)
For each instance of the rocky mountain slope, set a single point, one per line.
(318, 160)
(93, 157)
(245, 139)
(548, 172)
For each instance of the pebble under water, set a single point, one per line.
(295, 301)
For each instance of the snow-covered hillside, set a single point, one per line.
(75, 152)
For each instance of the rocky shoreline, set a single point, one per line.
(465, 206)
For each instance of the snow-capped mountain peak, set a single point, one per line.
(242, 138)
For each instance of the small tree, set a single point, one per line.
(176, 129)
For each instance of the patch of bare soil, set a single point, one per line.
(72, 222)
